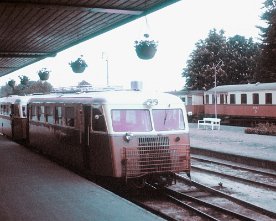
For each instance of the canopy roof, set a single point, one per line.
(31, 30)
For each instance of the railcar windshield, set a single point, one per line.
(168, 119)
(131, 120)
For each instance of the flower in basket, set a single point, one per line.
(146, 49)
(44, 74)
(79, 65)
(11, 83)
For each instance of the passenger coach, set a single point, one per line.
(13, 116)
(246, 102)
(131, 135)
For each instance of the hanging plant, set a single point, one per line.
(24, 80)
(44, 74)
(146, 49)
(79, 65)
(11, 83)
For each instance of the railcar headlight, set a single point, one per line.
(128, 136)
(151, 102)
(177, 139)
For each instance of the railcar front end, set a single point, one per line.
(149, 140)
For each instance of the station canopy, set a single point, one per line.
(31, 30)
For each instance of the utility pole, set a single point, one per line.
(105, 57)
(215, 69)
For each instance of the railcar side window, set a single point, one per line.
(32, 115)
(16, 110)
(221, 98)
(70, 116)
(190, 100)
(168, 119)
(49, 114)
(24, 111)
(255, 98)
(207, 98)
(58, 115)
(268, 98)
(98, 121)
(232, 99)
(38, 112)
(243, 98)
(131, 120)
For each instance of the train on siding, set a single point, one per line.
(243, 104)
(125, 134)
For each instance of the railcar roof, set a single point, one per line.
(187, 92)
(15, 99)
(112, 97)
(244, 87)
(22, 99)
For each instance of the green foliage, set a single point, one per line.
(31, 88)
(237, 53)
(44, 74)
(83, 83)
(11, 83)
(262, 129)
(23, 79)
(79, 65)
(267, 60)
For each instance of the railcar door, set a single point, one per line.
(87, 113)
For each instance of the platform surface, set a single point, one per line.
(33, 188)
(233, 140)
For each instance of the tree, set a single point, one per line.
(267, 60)
(83, 83)
(240, 62)
(199, 72)
(31, 88)
(238, 56)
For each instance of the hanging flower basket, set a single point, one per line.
(78, 66)
(24, 80)
(146, 49)
(11, 83)
(44, 74)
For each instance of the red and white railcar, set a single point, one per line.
(13, 116)
(244, 101)
(132, 135)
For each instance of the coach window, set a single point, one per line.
(24, 111)
(255, 98)
(49, 114)
(243, 98)
(232, 99)
(38, 112)
(98, 121)
(221, 98)
(70, 116)
(207, 98)
(32, 115)
(268, 98)
(58, 116)
(190, 100)
(16, 110)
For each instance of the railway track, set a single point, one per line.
(192, 201)
(253, 176)
(189, 200)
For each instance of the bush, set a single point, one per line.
(262, 129)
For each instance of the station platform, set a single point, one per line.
(33, 188)
(232, 143)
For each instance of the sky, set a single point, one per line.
(176, 28)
